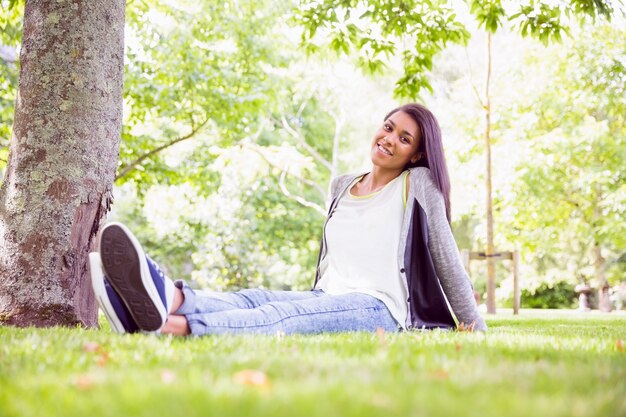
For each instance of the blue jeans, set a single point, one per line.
(268, 312)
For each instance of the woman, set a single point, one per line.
(387, 260)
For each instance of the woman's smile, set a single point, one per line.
(384, 150)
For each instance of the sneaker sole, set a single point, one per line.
(97, 283)
(126, 268)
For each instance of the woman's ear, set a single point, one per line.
(417, 157)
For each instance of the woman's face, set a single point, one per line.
(396, 143)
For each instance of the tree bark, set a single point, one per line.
(62, 160)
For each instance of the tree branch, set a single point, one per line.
(301, 108)
(305, 181)
(478, 97)
(308, 147)
(299, 199)
(339, 121)
(131, 166)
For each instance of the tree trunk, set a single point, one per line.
(599, 263)
(63, 155)
(491, 267)
(604, 302)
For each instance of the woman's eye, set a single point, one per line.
(387, 128)
(404, 140)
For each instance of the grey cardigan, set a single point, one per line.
(428, 257)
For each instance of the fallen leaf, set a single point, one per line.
(458, 347)
(251, 377)
(102, 359)
(91, 347)
(382, 338)
(619, 345)
(167, 376)
(462, 327)
(84, 382)
(439, 374)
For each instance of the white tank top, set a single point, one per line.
(363, 238)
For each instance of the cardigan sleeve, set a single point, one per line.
(338, 184)
(332, 192)
(445, 253)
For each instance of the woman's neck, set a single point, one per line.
(377, 179)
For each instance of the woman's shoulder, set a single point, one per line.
(340, 182)
(421, 179)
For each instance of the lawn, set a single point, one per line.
(536, 364)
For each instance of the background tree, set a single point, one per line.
(570, 198)
(544, 22)
(62, 159)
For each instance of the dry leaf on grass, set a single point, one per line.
(619, 345)
(439, 374)
(102, 359)
(458, 347)
(382, 338)
(103, 356)
(251, 377)
(84, 382)
(462, 327)
(91, 347)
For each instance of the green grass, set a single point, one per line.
(536, 364)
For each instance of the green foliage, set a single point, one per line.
(557, 295)
(376, 30)
(592, 8)
(489, 14)
(255, 236)
(12, 4)
(10, 37)
(571, 192)
(418, 31)
(542, 21)
(539, 19)
(533, 364)
(194, 69)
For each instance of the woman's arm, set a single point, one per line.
(445, 253)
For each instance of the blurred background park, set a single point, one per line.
(238, 113)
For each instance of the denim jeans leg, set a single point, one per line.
(317, 314)
(204, 301)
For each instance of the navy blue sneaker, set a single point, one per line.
(140, 283)
(109, 301)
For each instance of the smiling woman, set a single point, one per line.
(398, 137)
(387, 260)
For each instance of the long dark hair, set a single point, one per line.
(431, 145)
